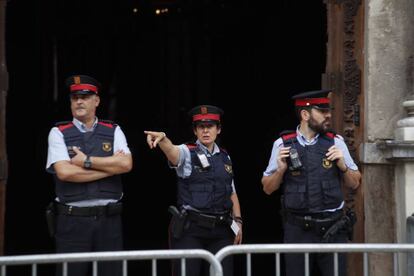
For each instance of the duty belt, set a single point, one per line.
(93, 211)
(313, 221)
(208, 220)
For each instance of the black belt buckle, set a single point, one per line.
(307, 222)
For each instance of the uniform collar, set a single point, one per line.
(216, 149)
(82, 127)
(303, 140)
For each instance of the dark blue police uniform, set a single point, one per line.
(307, 194)
(88, 215)
(312, 197)
(205, 207)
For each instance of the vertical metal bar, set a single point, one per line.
(336, 264)
(249, 264)
(366, 272)
(182, 266)
(3, 270)
(277, 264)
(124, 268)
(306, 264)
(95, 268)
(395, 264)
(65, 269)
(34, 269)
(154, 267)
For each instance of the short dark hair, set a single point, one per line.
(298, 110)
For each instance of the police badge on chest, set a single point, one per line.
(106, 146)
(327, 164)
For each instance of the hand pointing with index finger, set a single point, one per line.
(153, 138)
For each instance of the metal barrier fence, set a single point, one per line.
(277, 249)
(124, 256)
(214, 261)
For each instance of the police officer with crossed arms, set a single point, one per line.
(86, 157)
(309, 164)
(208, 214)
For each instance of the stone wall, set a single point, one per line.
(388, 82)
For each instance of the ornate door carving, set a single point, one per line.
(344, 69)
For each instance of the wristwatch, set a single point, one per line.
(87, 164)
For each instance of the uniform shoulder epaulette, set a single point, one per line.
(63, 125)
(288, 134)
(331, 134)
(191, 145)
(107, 123)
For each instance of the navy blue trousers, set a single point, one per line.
(89, 234)
(197, 237)
(295, 263)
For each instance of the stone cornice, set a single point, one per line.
(387, 152)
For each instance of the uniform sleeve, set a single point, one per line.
(57, 150)
(233, 187)
(349, 162)
(272, 166)
(120, 142)
(183, 168)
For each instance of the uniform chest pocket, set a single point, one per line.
(295, 196)
(332, 193)
(201, 195)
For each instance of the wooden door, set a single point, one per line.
(344, 71)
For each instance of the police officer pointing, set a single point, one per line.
(309, 165)
(208, 214)
(86, 157)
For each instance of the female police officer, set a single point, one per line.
(208, 215)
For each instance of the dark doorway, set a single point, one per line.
(248, 57)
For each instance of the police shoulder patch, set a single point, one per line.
(64, 125)
(330, 134)
(107, 123)
(228, 168)
(288, 134)
(191, 145)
